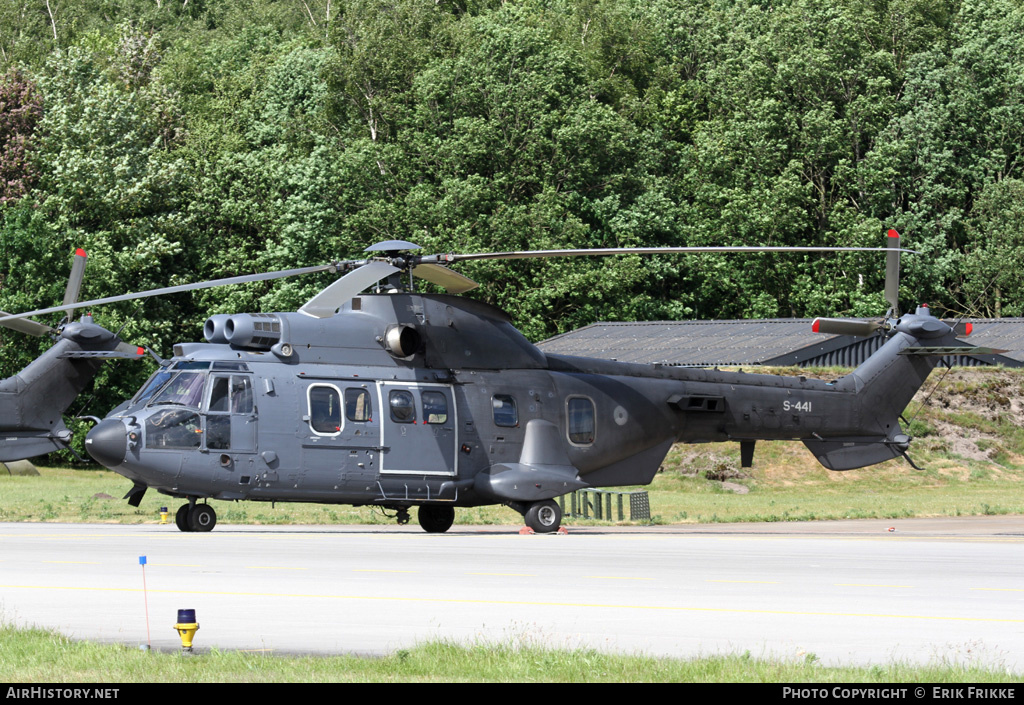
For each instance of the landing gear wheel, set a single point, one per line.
(435, 519)
(181, 518)
(202, 518)
(544, 517)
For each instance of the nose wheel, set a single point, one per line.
(195, 517)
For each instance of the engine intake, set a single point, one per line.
(260, 331)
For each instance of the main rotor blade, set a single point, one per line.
(244, 279)
(601, 252)
(324, 304)
(845, 326)
(452, 282)
(75, 281)
(892, 273)
(24, 325)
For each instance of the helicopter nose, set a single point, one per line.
(107, 442)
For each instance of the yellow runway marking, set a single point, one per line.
(381, 570)
(999, 589)
(272, 567)
(525, 603)
(871, 585)
(614, 577)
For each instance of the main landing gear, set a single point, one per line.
(544, 517)
(436, 519)
(195, 517)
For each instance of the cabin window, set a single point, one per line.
(357, 405)
(435, 407)
(173, 428)
(324, 409)
(505, 412)
(403, 408)
(580, 411)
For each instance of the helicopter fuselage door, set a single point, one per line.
(418, 422)
(231, 414)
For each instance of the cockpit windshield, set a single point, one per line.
(186, 389)
(157, 380)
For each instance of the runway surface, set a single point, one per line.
(848, 592)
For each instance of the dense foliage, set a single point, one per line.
(183, 140)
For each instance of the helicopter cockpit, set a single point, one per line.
(195, 404)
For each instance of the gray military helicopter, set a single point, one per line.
(397, 398)
(33, 401)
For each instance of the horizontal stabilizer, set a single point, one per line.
(943, 351)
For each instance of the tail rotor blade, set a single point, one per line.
(843, 326)
(892, 273)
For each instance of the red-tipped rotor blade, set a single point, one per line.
(75, 281)
(892, 273)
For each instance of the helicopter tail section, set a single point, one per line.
(884, 385)
(34, 399)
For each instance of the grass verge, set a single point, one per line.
(35, 655)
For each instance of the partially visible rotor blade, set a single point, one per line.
(23, 325)
(452, 282)
(324, 304)
(244, 279)
(533, 254)
(962, 329)
(844, 326)
(892, 274)
(75, 281)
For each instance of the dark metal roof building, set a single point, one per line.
(782, 342)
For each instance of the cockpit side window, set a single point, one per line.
(241, 394)
(173, 428)
(219, 399)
